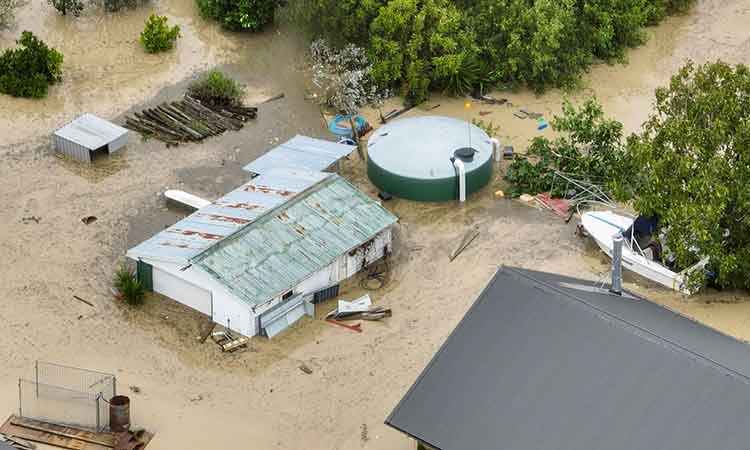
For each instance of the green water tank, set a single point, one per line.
(412, 158)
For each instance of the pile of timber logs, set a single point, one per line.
(188, 120)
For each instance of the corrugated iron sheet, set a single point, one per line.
(225, 216)
(91, 132)
(301, 152)
(285, 246)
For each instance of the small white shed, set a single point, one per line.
(88, 137)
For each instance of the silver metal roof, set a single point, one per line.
(226, 215)
(285, 246)
(91, 131)
(301, 152)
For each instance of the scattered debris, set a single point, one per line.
(228, 342)
(434, 107)
(520, 115)
(84, 301)
(491, 100)
(17, 442)
(499, 194)
(30, 219)
(135, 389)
(542, 126)
(485, 113)
(508, 152)
(361, 304)
(364, 435)
(196, 399)
(88, 220)
(559, 206)
(356, 327)
(21, 430)
(208, 329)
(395, 113)
(306, 369)
(469, 236)
(526, 198)
(530, 114)
(188, 120)
(384, 196)
(273, 99)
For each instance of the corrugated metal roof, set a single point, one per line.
(301, 152)
(287, 245)
(542, 361)
(91, 131)
(226, 215)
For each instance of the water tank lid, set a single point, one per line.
(465, 153)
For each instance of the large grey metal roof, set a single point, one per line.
(226, 215)
(301, 152)
(545, 362)
(285, 246)
(91, 131)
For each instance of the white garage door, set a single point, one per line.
(182, 291)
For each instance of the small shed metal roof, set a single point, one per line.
(226, 215)
(302, 236)
(543, 362)
(91, 132)
(301, 152)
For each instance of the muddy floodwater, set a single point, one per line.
(191, 394)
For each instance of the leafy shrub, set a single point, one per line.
(29, 70)
(590, 148)
(67, 6)
(693, 162)
(130, 287)
(240, 15)
(217, 88)
(412, 40)
(7, 10)
(343, 77)
(157, 36)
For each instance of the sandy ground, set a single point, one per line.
(191, 395)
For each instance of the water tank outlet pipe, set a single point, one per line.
(459, 165)
(496, 148)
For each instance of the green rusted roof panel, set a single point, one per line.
(288, 244)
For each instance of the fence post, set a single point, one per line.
(98, 414)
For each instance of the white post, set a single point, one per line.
(496, 149)
(459, 165)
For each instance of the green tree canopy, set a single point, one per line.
(27, 71)
(694, 168)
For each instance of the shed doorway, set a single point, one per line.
(100, 153)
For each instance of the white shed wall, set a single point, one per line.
(228, 310)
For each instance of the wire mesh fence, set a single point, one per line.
(67, 396)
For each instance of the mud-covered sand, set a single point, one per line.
(192, 395)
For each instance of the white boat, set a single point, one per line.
(603, 226)
(185, 198)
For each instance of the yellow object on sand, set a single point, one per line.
(499, 194)
(467, 105)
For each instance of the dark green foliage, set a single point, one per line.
(590, 148)
(29, 70)
(240, 15)
(157, 36)
(130, 287)
(67, 6)
(216, 88)
(694, 168)
(414, 42)
(417, 45)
